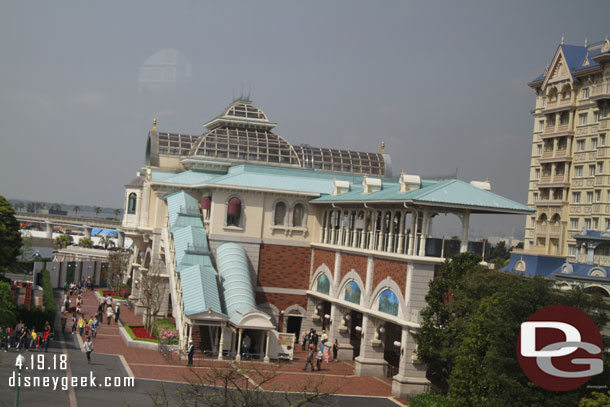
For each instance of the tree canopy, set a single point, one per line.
(10, 237)
(469, 333)
(63, 240)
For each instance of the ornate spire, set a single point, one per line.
(382, 147)
(154, 128)
(562, 39)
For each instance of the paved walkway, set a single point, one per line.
(150, 364)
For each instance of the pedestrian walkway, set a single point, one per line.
(150, 364)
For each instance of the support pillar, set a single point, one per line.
(221, 343)
(238, 356)
(411, 377)
(373, 231)
(381, 233)
(48, 230)
(370, 362)
(423, 236)
(87, 230)
(413, 234)
(465, 226)
(401, 232)
(121, 239)
(266, 360)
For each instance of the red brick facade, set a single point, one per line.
(397, 271)
(324, 257)
(351, 262)
(281, 301)
(284, 266)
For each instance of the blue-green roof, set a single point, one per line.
(182, 204)
(235, 280)
(191, 177)
(442, 193)
(188, 237)
(200, 290)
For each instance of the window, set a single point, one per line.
(234, 208)
(541, 125)
(595, 223)
(590, 197)
(572, 249)
(535, 196)
(575, 197)
(578, 171)
(595, 117)
(543, 102)
(539, 149)
(604, 112)
(131, 205)
(585, 93)
(602, 139)
(591, 170)
(564, 118)
(582, 118)
(598, 195)
(594, 143)
(537, 173)
(298, 213)
(607, 223)
(544, 194)
(574, 223)
(580, 145)
(600, 167)
(587, 224)
(279, 215)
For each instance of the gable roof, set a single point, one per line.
(200, 290)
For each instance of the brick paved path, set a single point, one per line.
(150, 364)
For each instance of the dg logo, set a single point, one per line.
(559, 348)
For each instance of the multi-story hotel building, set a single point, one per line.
(569, 183)
(254, 236)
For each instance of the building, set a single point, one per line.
(252, 235)
(569, 184)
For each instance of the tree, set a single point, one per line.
(469, 333)
(246, 385)
(106, 241)
(26, 246)
(85, 242)
(63, 241)
(116, 213)
(19, 206)
(597, 399)
(7, 306)
(75, 209)
(97, 210)
(152, 291)
(10, 237)
(117, 266)
(55, 207)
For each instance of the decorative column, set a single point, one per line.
(411, 377)
(413, 235)
(381, 233)
(333, 223)
(238, 356)
(323, 232)
(365, 223)
(465, 217)
(48, 230)
(222, 341)
(266, 360)
(401, 232)
(390, 243)
(373, 231)
(370, 362)
(423, 236)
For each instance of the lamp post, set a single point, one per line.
(18, 362)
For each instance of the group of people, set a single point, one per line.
(310, 341)
(22, 337)
(78, 288)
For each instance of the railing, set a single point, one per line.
(600, 90)
(602, 260)
(554, 231)
(189, 211)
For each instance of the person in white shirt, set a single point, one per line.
(88, 345)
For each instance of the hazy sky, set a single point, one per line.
(444, 84)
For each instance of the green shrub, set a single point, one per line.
(160, 325)
(50, 305)
(429, 400)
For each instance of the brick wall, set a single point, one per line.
(323, 257)
(397, 271)
(284, 266)
(355, 262)
(281, 301)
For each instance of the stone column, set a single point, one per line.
(48, 230)
(266, 360)
(87, 230)
(238, 356)
(222, 341)
(365, 223)
(340, 332)
(411, 377)
(368, 284)
(121, 239)
(381, 232)
(465, 226)
(333, 229)
(413, 235)
(370, 362)
(401, 232)
(390, 243)
(373, 231)
(424, 232)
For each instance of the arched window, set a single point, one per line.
(323, 284)
(234, 212)
(298, 213)
(131, 204)
(352, 292)
(279, 216)
(206, 204)
(388, 302)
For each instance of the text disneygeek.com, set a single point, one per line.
(64, 382)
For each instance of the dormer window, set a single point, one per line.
(131, 203)
(234, 212)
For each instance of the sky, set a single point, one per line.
(444, 84)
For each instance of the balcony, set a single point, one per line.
(601, 91)
(558, 105)
(554, 231)
(552, 130)
(601, 260)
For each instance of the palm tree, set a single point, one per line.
(106, 241)
(97, 210)
(19, 206)
(55, 207)
(76, 208)
(116, 212)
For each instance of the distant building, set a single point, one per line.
(253, 235)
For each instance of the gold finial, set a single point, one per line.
(562, 39)
(383, 147)
(154, 124)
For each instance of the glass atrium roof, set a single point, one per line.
(175, 144)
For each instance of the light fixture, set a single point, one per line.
(397, 344)
(347, 317)
(382, 329)
(358, 328)
(320, 306)
(326, 316)
(136, 282)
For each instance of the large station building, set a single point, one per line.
(253, 235)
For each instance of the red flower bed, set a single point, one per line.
(110, 293)
(141, 332)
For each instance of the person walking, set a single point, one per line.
(335, 350)
(81, 325)
(33, 336)
(108, 302)
(304, 344)
(109, 314)
(74, 323)
(314, 340)
(309, 360)
(46, 336)
(323, 340)
(94, 327)
(191, 352)
(319, 360)
(88, 345)
(117, 313)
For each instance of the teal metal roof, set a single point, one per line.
(235, 280)
(449, 192)
(200, 290)
(191, 177)
(181, 204)
(188, 238)
(156, 175)
(183, 221)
